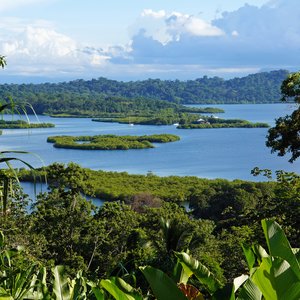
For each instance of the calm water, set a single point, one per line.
(210, 153)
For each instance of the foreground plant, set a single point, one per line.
(272, 276)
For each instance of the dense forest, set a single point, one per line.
(85, 97)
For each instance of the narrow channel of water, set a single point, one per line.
(32, 190)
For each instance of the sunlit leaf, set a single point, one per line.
(162, 286)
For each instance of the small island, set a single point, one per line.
(110, 141)
(21, 124)
(215, 122)
(185, 121)
(163, 117)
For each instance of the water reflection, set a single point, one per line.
(32, 190)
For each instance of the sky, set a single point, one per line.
(61, 40)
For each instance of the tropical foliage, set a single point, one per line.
(285, 136)
(274, 275)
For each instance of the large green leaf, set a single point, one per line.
(162, 286)
(115, 291)
(127, 288)
(276, 280)
(296, 251)
(43, 287)
(179, 274)
(98, 293)
(112, 289)
(60, 284)
(192, 266)
(279, 245)
(23, 283)
(228, 291)
(250, 256)
(96, 290)
(249, 291)
(78, 287)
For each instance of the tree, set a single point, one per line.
(285, 136)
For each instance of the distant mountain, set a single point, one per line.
(255, 88)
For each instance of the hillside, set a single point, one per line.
(115, 96)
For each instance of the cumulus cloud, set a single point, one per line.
(166, 27)
(39, 42)
(250, 37)
(179, 24)
(44, 51)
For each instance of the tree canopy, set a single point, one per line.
(107, 95)
(285, 136)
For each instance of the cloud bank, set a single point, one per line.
(163, 44)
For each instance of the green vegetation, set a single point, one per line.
(122, 186)
(82, 97)
(70, 103)
(220, 218)
(110, 142)
(285, 136)
(272, 276)
(181, 275)
(163, 117)
(20, 124)
(222, 123)
(204, 110)
(184, 121)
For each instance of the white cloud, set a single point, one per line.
(39, 42)
(179, 24)
(166, 27)
(249, 38)
(154, 14)
(35, 50)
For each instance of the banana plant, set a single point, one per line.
(277, 274)
(15, 283)
(273, 276)
(62, 287)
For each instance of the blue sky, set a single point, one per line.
(55, 40)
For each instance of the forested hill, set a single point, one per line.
(256, 88)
